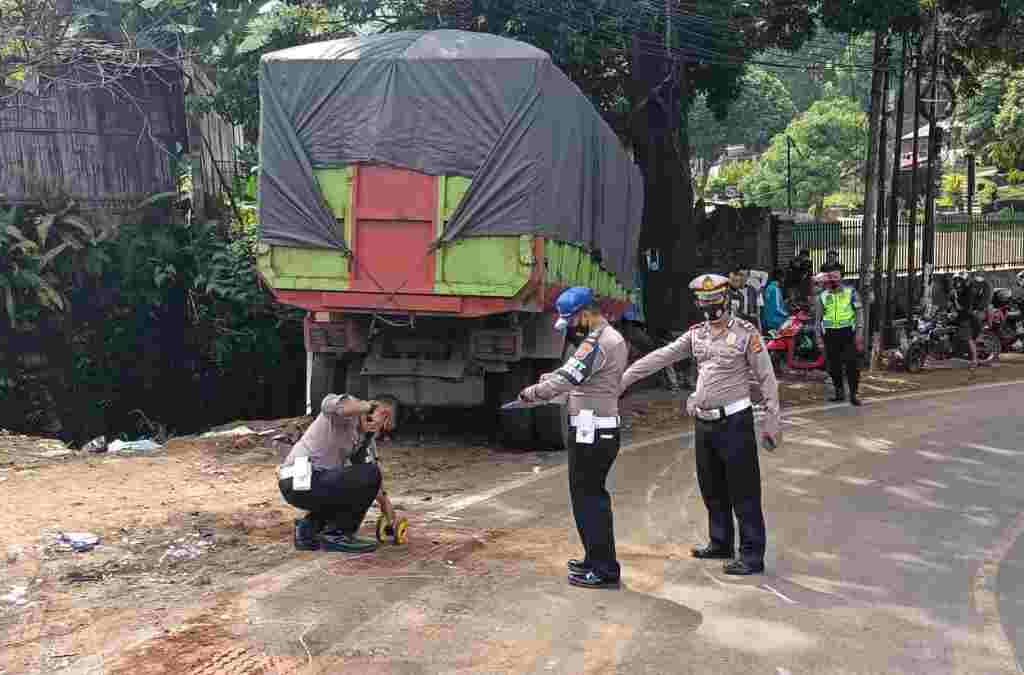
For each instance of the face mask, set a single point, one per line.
(714, 312)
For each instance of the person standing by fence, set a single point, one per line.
(839, 324)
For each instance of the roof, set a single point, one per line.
(413, 45)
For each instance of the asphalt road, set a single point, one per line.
(893, 548)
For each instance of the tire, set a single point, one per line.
(779, 362)
(914, 360)
(354, 383)
(989, 347)
(322, 377)
(551, 427)
(515, 427)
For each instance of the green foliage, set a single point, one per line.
(844, 200)
(1015, 177)
(763, 109)
(731, 175)
(829, 145)
(954, 189)
(1007, 148)
(976, 114)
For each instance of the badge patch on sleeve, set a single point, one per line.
(755, 343)
(584, 350)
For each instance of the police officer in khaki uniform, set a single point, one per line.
(727, 351)
(591, 379)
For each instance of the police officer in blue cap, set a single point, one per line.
(591, 378)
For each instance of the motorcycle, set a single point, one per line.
(793, 347)
(1006, 319)
(937, 338)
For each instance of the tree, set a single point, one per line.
(1007, 148)
(731, 175)
(762, 109)
(829, 142)
(976, 114)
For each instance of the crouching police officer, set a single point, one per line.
(727, 350)
(591, 378)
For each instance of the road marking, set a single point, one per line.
(775, 592)
(986, 599)
(444, 510)
(994, 451)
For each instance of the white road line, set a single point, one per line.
(442, 510)
(777, 593)
(994, 451)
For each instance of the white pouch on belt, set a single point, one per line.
(302, 478)
(585, 427)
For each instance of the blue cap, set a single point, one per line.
(570, 303)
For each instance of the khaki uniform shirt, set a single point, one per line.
(331, 439)
(590, 377)
(724, 366)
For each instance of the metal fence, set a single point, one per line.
(961, 243)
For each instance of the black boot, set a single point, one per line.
(839, 396)
(305, 534)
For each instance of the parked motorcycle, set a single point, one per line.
(793, 347)
(1006, 319)
(937, 338)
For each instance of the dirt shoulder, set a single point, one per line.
(182, 525)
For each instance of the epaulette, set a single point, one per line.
(743, 323)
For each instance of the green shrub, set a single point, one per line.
(1015, 177)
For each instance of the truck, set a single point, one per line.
(425, 196)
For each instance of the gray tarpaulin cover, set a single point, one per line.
(446, 102)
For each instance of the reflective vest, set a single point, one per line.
(839, 309)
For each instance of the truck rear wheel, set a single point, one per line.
(551, 426)
(551, 422)
(321, 380)
(515, 427)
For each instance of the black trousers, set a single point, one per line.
(840, 355)
(730, 482)
(337, 497)
(591, 504)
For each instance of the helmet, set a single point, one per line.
(961, 277)
(570, 303)
(1002, 297)
(1020, 279)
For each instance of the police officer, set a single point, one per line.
(591, 378)
(832, 263)
(727, 351)
(838, 324)
(745, 301)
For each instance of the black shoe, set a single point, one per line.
(305, 535)
(340, 542)
(592, 580)
(578, 567)
(742, 568)
(855, 400)
(838, 398)
(711, 552)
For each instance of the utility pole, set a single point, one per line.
(789, 175)
(912, 226)
(894, 205)
(867, 247)
(970, 211)
(876, 325)
(928, 248)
